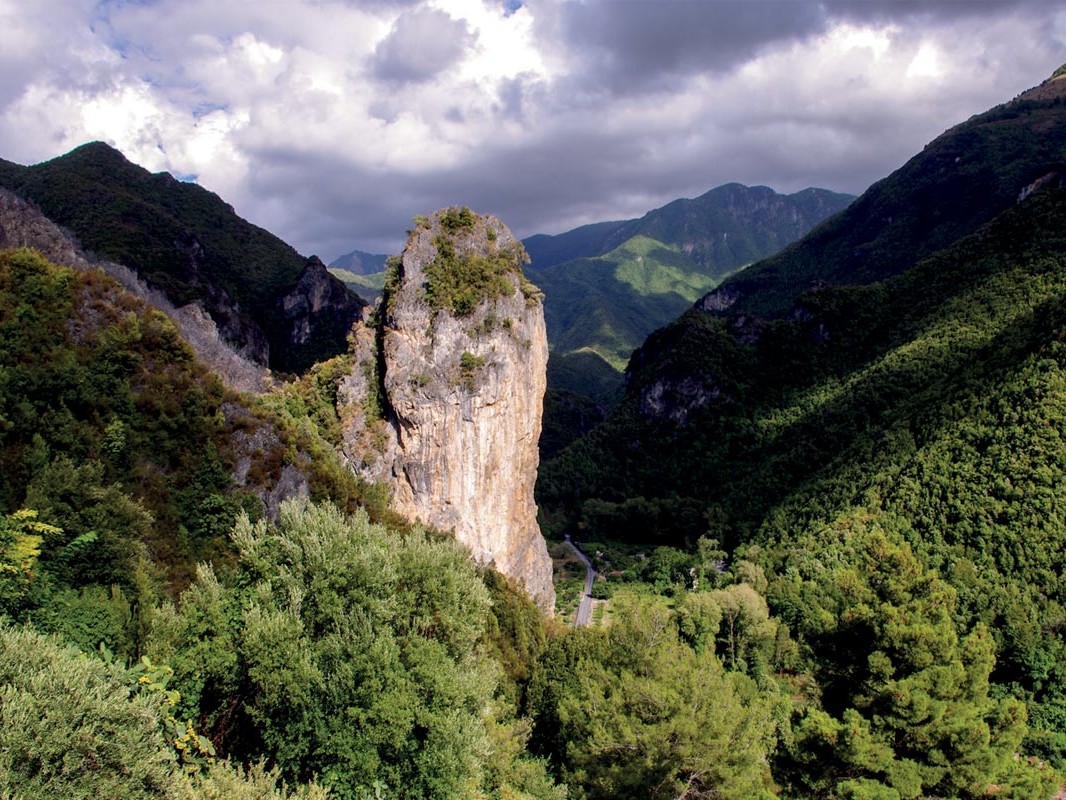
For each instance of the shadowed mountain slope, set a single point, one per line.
(266, 298)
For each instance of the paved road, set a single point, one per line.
(584, 608)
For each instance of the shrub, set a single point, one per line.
(70, 728)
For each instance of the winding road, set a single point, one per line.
(584, 608)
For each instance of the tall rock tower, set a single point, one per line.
(444, 405)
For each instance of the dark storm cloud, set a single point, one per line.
(341, 207)
(630, 44)
(598, 146)
(608, 108)
(940, 10)
(422, 43)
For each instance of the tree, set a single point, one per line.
(906, 709)
(21, 537)
(78, 728)
(642, 715)
(699, 616)
(746, 623)
(341, 650)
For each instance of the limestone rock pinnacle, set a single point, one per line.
(456, 373)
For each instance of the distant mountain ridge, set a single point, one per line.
(359, 262)
(608, 285)
(722, 229)
(277, 307)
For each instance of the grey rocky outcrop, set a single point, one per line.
(317, 301)
(444, 404)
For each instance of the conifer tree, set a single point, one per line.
(906, 710)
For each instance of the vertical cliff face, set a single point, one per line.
(445, 405)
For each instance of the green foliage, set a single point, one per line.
(469, 369)
(91, 617)
(21, 537)
(225, 781)
(930, 406)
(76, 727)
(460, 282)
(114, 435)
(746, 627)
(70, 728)
(516, 634)
(567, 416)
(907, 709)
(457, 218)
(325, 613)
(637, 713)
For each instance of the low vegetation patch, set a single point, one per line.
(459, 281)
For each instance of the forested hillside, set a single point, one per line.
(830, 537)
(916, 418)
(188, 242)
(134, 457)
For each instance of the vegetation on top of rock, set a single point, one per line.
(470, 266)
(457, 218)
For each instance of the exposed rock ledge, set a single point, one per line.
(445, 403)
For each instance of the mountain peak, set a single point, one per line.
(190, 244)
(96, 152)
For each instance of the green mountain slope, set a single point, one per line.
(607, 286)
(188, 242)
(112, 431)
(928, 407)
(734, 225)
(604, 305)
(583, 242)
(721, 230)
(960, 181)
(368, 285)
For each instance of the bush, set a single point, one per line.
(70, 728)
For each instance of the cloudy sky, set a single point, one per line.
(333, 122)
